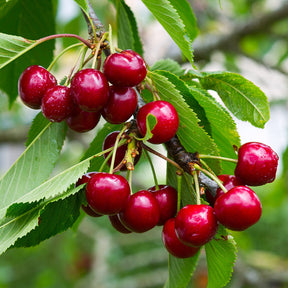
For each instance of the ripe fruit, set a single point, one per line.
(238, 209)
(257, 164)
(57, 103)
(89, 211)
(195, 225)
(33, 83)
(89, 89)
(121, 105)
(167, 121)
(107, 193)
(172, 243)
(116, 223)
(141, 212)
(109, 142)
(82, 121)
(228, 181)
(166, 197)
(125, 69)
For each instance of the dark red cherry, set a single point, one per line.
(257, 164)
(57, 103)
(141, 212)
(109, 142)
(89, 211)
(195, 225)
(107, 193)
(89, 89)
(228, 181)
(238, 209)
(121, 105)
(173, 245)
(116, 223)
(166, 197)
(125, 69)
(33, 83)
(82, 121)
(167, 121)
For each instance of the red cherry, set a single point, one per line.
(195, 225)
(257, 164)
(33, 83)
(228, 181)
(116, 223)
(89, 89)
(167, 121)
(121, 105)
(82, 121)
(89, 211)
(173, 245)
(107, 193)
(141, 212)
(125, 69)
(166, 197)
(238, 209)
(109, 142)
(57, 103)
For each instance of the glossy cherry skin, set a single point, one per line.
(33, 83)
(121, 105)
(89, 89)
(125, 69)
(141, 212)
(83, 121)
(167, 121)
(57, 103)
(116, 223)
(172, 243)
(195, 225)
(166, 197)
(109, 142)
(257, 164)
(107, 193)
(238, 209)
(228, 181)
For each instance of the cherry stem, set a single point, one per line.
(218, 158)
(179, 188)
(54, 36)
(197, 189)
(212, 176)
(153, 169)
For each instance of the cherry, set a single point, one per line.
(126, 68)
(109, 142)
(228, 181)
(89, 89)
(238, 209)
(172, 243)
(195, 225)
(33, 83)
(82, 121)
(141, 212)
(107, 193)
(257, 164)
(116, 223)
(167, 121)
(89, 211)
(166, 197)
(57, 103)
(121, 105)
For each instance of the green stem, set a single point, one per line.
(196, 182)
(179, 188)
(218, 158)
(153, 169)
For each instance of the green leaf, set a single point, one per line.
(178, 20)
(191, 135)
(6, 6)
(127, 31)
(221, 257)
(244, 99)
(30, 19)
(151, 121)
(168, 65)
(83, 4)
(33, 166)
